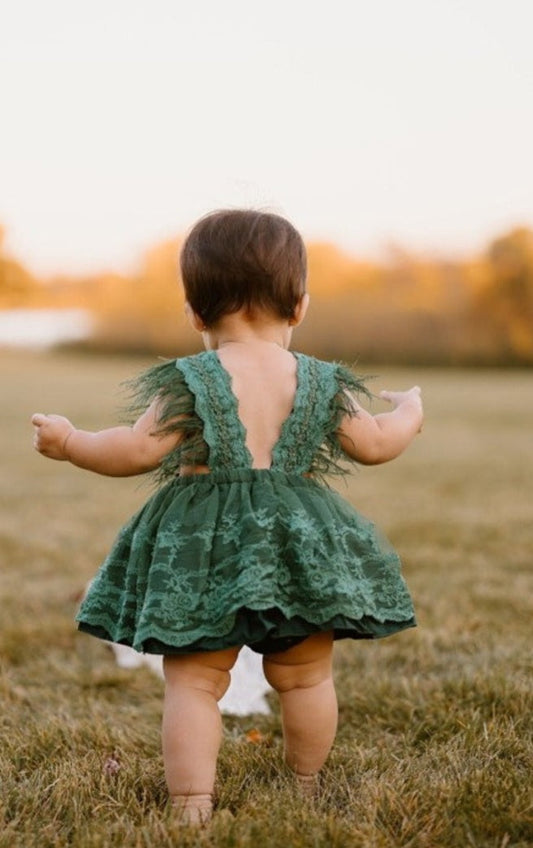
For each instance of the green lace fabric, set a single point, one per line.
(196, 401)
(262, 557)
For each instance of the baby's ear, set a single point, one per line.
(194, 319)
(300, 310)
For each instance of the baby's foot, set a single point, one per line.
(307, 784)
(195, 810)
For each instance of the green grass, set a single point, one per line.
(435, 743)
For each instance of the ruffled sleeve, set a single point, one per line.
(166, 384)
(346, 386)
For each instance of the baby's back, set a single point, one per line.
(264, 380)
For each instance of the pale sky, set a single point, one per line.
(366, 123)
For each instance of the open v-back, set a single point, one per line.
(283, 426)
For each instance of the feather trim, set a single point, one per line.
(330, 459)
(166, 384)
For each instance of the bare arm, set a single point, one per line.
(373, 439)
(116, 452)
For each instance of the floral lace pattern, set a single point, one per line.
(241, 555)
(216, 406)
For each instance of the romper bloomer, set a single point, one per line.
(244, 556)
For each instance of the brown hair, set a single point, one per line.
(238, 258)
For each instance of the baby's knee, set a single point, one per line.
(303, 666)
(184, 672)
(222, 685)
(283, 678)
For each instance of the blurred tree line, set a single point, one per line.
(408, 308)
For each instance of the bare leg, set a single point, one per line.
(303, 678)
(192, 728)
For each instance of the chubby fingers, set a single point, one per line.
(38, 419)
(391, 397)
(51, 434)
(386, 395)
(396, 398)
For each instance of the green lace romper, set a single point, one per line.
(244, 556)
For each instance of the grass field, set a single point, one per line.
(435, 745)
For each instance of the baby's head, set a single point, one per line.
(238, 259)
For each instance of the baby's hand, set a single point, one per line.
(51, 435)
(396, 398)
(411, 397)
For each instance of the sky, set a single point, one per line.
(368, 124)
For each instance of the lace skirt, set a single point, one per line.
(251, 557)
